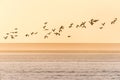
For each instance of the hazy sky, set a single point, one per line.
(30, 15)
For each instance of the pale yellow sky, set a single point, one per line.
(30, 15)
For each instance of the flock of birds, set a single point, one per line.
(55, 31)
(12, 34)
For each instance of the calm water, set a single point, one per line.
(59, 70)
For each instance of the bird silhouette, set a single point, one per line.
(44, 27)
(68, 36)
(12, 37)
(16, 29)
(103, 24)
(53, 29)
(36, 33)
(113, 22)
(92, 21)
(60, 30)
(62, 27)
(7, 33)
(45, 36)
(27, 35)
(32, 33)
(49, 33)
(95, 20)
(5, 37)
(83, 24)
(71, 25)
(101, 28)
(45, 23)
(56, 33)
(77, 26)
(16, 32)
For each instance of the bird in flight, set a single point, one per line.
(49, 33)
(16, 32)
(92, 21)
(45, 23)
(57, 34)
(12, 37)
(6, 37)
(44, 27)
(27, 35)
(113, 22)
(83, 24)
(36, 33)
(45, 36)
(16, 28)
(7, 33)
(32, 33)
(101, 28)
(96, 20)
(77, 26)
(71, 25)
(61, 28)
(68, 36)
(103, 24)
(53, 30)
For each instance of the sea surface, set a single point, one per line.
(59, 70)
(62, 66)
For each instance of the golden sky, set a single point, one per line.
(30, 15)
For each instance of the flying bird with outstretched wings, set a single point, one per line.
(83, 24)
(92, 21)
(114, 21)
(45, 36)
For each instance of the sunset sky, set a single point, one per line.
(29, 16)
